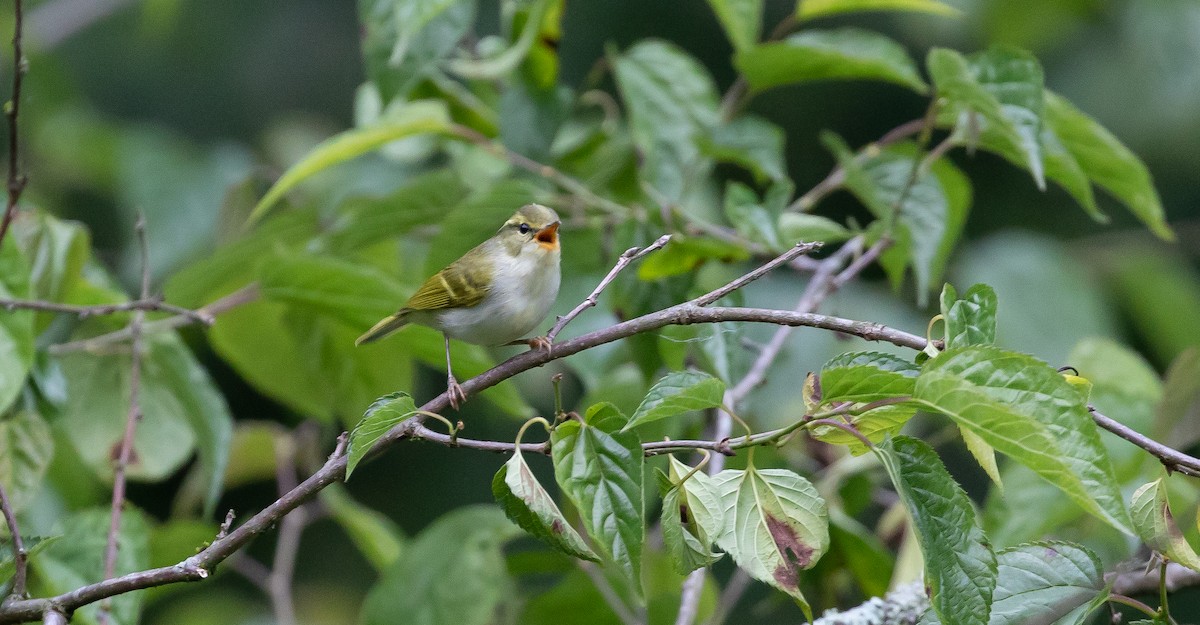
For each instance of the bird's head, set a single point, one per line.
(532, 227)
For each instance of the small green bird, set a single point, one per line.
(494, 295)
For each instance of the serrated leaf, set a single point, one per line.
(810, 9)
(415, 118)
(1024, 408)
(672, 102)
(527, 504)
(1108, 163)
(866, 377)
(957, 85)
(1014, 79)
(386, 412)
(452, 573)
(404, 41)
(929, 211)
(16, 326)
(806, 227)
(960, 568)
(600, 470)
(741, 19)
(691, 518)
(376, 536)
(1156, 526)
(983, 454)
(970, 320)
(26, 447)
(676, 393)
(1043, 582)
(844, 54)
(776, 525)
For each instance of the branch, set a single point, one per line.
(902, 606)
(1146, 580)
(630, 256)
(198, 566)
(16, 180)
(838, 175)
(20, 556)
(134, 416)
(244, 295)
(797, 250)
(1173, 460)
(145, 305)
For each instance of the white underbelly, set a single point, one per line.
(511, 310)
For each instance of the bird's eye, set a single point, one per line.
(523, 228)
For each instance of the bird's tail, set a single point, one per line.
(384, 328)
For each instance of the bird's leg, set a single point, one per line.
(540, 343)
(456, 393)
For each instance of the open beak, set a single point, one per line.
(548, 237)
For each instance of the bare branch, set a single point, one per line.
(149, 304)
(244, 295)
(797, 250)
(132, 419)
(16, 180)
(1143, 580)
(630, 256)
(1173, 460)
(54, 616)
(20, 556)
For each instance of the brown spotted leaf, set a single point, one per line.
(528, 505)
(776, 525)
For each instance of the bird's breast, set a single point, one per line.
(523, 290)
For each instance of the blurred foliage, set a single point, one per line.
(330, 156)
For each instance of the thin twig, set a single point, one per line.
(20, 556)
(151, 304)
(548, 172)
(629, 257)
(837, 176)
(1172, 459)
(624, 614)
(210, 311)
(16, 180)
(797, 250)
(733, 591)
(134, 416)
(252, 570)
(279, 581)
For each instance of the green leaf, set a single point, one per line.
(386, 412)
(415, 118)
(684, 254)
(1014, 81)
(776, 525)
(806, 227)
(26, 447)
(691, 518)
(77, 559)
(528, 505)
(972, 319)
(422, 200)
(33, 546)
(751, 216)
(498, 65)
(16, 326)
(1179, 410)
(1108, 163)
(844, 54)
(751, 142)
(676, 393)
(1119, 381)
(741, 19)
(600, 471)
(866, 377)
(377, 537)
(57, 251)
(984, 454)
(403, 41)
(672, 102)
(875, 424)
(810, 9)
(960, 568)
(1042, 582)
(452, 573)
(929, 211)
(353, 293)
(1156, 526)
(1024, 408)
(866, 557)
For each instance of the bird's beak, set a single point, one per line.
(548, 237)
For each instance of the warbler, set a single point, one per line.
(493, 295)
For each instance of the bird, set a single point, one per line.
(494, 294)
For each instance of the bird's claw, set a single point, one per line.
(457, 395)
(539, 343)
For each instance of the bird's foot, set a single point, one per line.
(457, 395)
(540, 343)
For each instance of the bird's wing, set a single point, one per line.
(462, 284)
